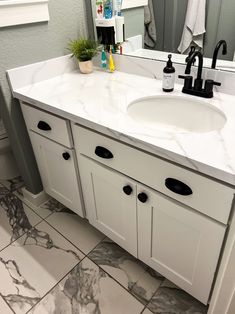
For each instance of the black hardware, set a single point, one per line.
(66, 156)
(178, 187)
(215, 54)
(42, 125)
(142, 197)
(103, 152)
(209, 87)
(188, 81)
(127, 189)
(197, 89)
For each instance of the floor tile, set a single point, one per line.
(13, 184)
(169, 299)
(15, 218)
(76, 229)
(147, 311)
(88, 290)
(4, 308)
(135, 276)
(49, 207)
(33, 264)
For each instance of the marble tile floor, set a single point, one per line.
(52, 261)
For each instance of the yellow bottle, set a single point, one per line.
(111, 62)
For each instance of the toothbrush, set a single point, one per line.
(103, 59)
(111, 62)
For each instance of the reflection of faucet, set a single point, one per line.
(192, 50)
(215, 54)
(197, 90)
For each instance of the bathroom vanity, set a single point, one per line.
(163, 192)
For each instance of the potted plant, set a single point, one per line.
(84, 50)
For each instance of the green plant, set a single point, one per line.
(83, 49)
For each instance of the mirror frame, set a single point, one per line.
(17, 12)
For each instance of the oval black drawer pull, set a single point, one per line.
(42, 125)
(103, 152)
(66, 156)
(142, 197)
(178, 187)
(127, 189)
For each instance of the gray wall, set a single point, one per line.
(26, 44)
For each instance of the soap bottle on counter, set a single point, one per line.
(168, 76)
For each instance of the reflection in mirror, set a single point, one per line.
(173, 26)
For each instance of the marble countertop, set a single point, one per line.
(100, 101)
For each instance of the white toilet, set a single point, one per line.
(8, 167)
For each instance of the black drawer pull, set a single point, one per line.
(178, 187)
(127, 190)
(103, 152)
(142, 197)
(66, 156)
(42, 125)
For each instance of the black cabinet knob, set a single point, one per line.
(66, 156)
(103, 152)
(42, 125)
(142, 197)
(178, 187)
(127, 190)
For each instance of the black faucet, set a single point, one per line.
(197, 89)
(216, 51)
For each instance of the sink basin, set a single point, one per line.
(177, 114)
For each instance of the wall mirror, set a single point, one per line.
(156, 30)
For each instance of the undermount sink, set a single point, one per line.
(178, 114)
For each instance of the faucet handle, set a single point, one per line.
(188, 81)
(209, 87)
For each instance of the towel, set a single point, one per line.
(150, 37)
(194, 27)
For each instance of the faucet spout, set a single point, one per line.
(222, 43)
(200, 64)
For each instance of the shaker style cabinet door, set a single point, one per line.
(110, 203)
(179, 243)
(57, 167)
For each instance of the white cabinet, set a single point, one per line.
(110, 202)
(180, 243)
(58, 169)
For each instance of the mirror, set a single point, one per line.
(161, 28)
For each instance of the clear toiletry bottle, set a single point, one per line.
(168, 76)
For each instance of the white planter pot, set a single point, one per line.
(86, 67)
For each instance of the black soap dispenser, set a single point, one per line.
(168, 76)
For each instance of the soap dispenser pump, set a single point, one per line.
(168, 76)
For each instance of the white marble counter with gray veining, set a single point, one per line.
(100, 101)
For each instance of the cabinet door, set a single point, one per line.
(179, 243)
(108, 207)
(57, 166)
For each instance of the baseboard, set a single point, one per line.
(35, 199)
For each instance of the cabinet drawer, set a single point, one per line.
(50, 126)
(208, 196)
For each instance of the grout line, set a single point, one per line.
(116, 280)
(71, 241)
(48, 292)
